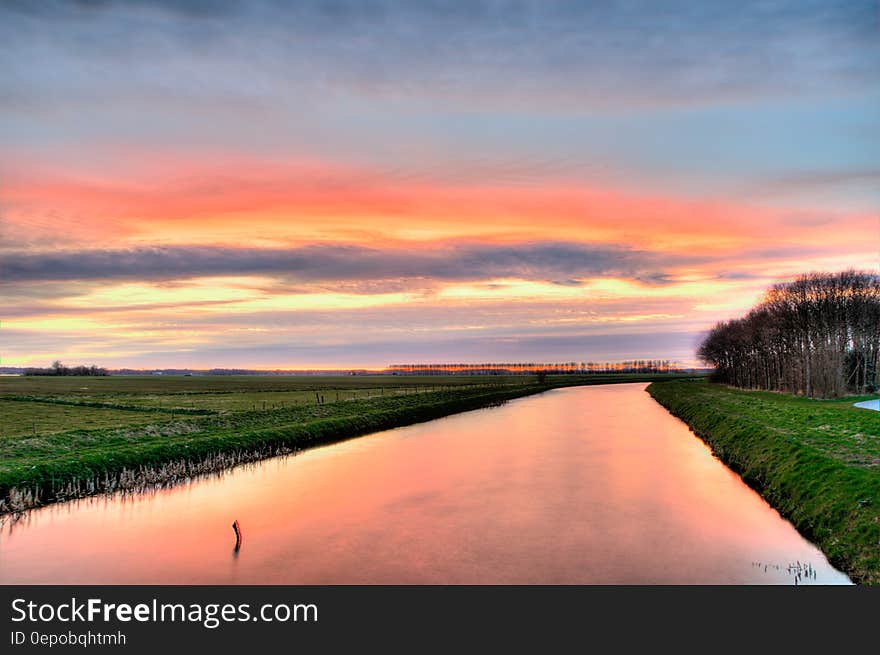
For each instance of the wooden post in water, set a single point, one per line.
(237, 530)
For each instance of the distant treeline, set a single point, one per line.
(818, 336)
(517, 368)
(58, 368)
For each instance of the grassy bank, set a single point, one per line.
(817, 462)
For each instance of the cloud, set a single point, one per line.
(149, 143)
(562, 263)
(846, 180)
(495, 51)
(607, 347)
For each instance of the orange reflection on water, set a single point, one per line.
(583, 485)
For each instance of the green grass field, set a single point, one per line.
(816, 461)
(69, 436)
(232, 393)
(46, 405)
(136, 385)
(37, 418)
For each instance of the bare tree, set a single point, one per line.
(818, 336)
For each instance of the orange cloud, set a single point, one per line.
(237, 200)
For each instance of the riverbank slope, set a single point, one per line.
(816, 461)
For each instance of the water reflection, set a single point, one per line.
(582, 485)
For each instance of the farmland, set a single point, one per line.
(18, 418)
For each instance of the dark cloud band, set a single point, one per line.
(556, 262)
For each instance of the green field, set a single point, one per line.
(71, 436)
(234, 393)
(816, 461)
(137, 385)
(38, 418)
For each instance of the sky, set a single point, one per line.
(354, 184)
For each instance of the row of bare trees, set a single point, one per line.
(58, 368)
(818, 336)
(514, 368)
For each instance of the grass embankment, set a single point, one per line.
(816, 461)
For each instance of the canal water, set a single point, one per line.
(581, 485)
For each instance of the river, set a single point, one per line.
(588, 485)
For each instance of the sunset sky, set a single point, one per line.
(334, 184)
